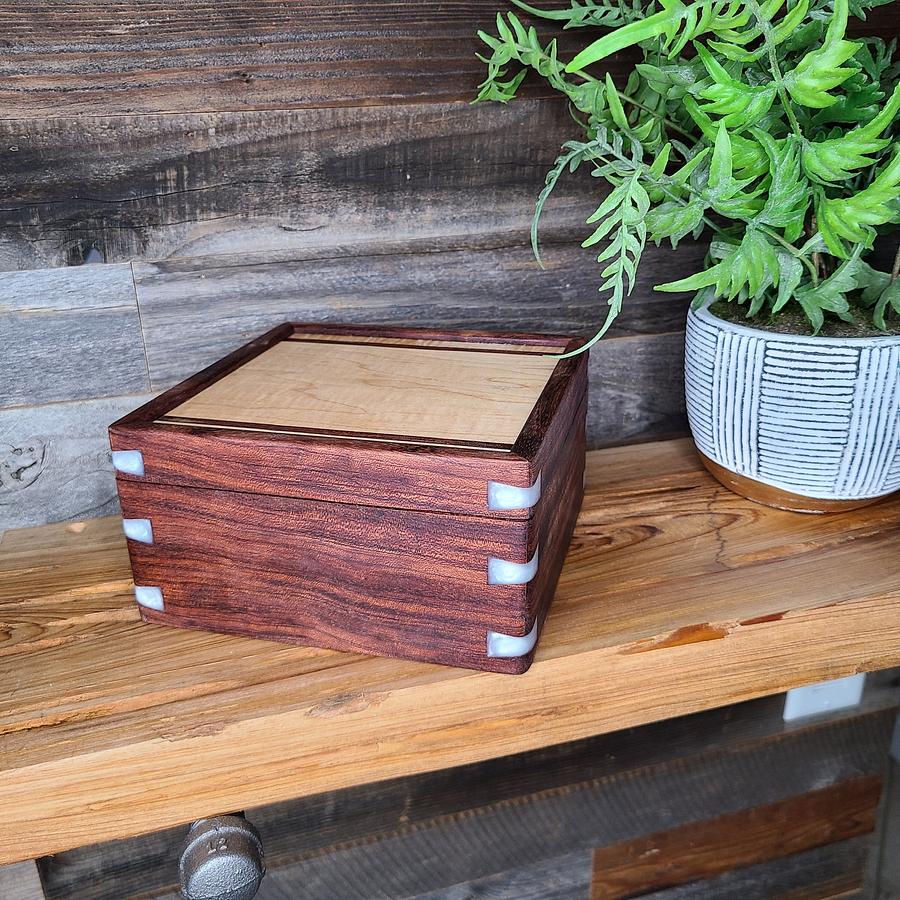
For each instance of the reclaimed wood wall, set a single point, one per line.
(238, 165)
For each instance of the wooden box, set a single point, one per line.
(389, 491)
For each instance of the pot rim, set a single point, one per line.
(705, 315)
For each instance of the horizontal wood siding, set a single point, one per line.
(193, 184)
(54, 461)
(140, 57)
(70, 334)
(482, 281)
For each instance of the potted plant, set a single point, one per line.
(760, 123)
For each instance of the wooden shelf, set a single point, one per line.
(677, 596)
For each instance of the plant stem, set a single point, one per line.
(895, 269)
(777, 77)
(792, 250)
(665, 120)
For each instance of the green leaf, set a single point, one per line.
(574, 154)
(582, 13)
(788, 194)
(889, 297)
(720, 164)
(789, 24)
(821, 70)
(829, 295)
(676, 22)
(674, 220)
(626, 36)
(751, 265)
(790, 274)
(615, 105)
(853, 218)
(836, 160)
(740, 105)
(623, 221)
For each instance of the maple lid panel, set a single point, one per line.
(470, 394)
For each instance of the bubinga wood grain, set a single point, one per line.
(360, 578)
(435, 478)
(701, 850)
(334, 570)
(670, 581)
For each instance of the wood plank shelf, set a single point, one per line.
(677, 596)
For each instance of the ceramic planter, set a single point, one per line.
(798, 422)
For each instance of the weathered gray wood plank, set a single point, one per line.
(21, 882)
(69, 334)
(54, 461)
(139, 56)
(636, 389)
(152, 187)
(563, 878)
(475, 282)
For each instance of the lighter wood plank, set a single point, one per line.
(54, 461)
(677, 596)
(466, 395)
(70, 334)
(21, 882)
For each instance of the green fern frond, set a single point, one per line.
(821, 70)
(838, 159)
(676, 23)
(585, 13)
(787, 195)
(740, 105)
(852, 219)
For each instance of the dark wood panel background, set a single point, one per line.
(221, 219)
(251, 163)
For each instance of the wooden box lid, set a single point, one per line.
(380, 416)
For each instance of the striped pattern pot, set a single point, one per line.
(800, 422)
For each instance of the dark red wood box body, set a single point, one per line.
(429, 548)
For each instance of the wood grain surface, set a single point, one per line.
(670, 580)
(394, 578)
(466, 394)
(54, 461)
(699, 851)
(139, 57)
(163, 186)
(362, 578)
(489, 823)
(70, 334)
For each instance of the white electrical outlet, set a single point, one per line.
(827, 696)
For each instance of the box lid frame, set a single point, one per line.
(371, 469)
